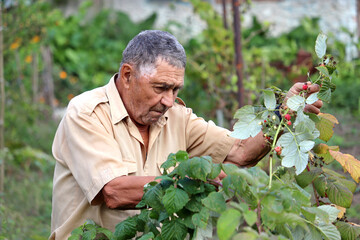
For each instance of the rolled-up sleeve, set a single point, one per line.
(207, 139)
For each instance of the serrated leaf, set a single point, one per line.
(320, 184)
(349, 163)
(215, 201)
(323, 70)
(312, 98)
(126, 229)
(269, 99)
(297, 159)
(194, 204)
(332, 211)
(190, 186)
(201, 219)
(320, 45)
(244, 112)
(245, 128)
(174, 199)
(306, 145)
(325, 94)
(326, 126)
(153, 196)
(250, 217)
(147, 236)
(322, 150)
(199, 168)
(204, 234)
(215, 171)
(339, 194)
(329, 231)
(296, 102)
(227, 223)
(173, 230)
(348, 231)
(305, 178)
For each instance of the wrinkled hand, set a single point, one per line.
(311, 88)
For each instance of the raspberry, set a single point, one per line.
(287, 117)
(264, 121)
(278, 150)
(304, 87)
(289, 123)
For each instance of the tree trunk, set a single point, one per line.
(48, 81)
(2, 110)
(224, 14)
(239, 62)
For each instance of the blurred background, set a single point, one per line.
(54, 50)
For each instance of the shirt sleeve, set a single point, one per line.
(89, 150)
(207, 139)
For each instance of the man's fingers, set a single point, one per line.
(314, 108)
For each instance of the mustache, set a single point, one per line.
(160, 108)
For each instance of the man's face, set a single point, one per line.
(153, 92)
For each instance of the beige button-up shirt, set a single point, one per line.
(96, 142)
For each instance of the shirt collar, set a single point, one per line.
(117, 108)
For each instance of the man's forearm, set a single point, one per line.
(125, 192)
(248, 152)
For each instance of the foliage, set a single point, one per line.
(25, 205)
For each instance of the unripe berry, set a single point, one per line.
(273, 117)
(289, 123)
(278, 150)
(287, 116)
(304, 87)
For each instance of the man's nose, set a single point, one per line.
(168, 99)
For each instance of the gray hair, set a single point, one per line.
(150, 45)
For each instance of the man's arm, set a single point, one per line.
(123, 192)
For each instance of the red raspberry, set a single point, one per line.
(264, 121)
(287, 117)
(289, 123)
(304, 87)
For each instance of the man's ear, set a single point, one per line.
(126, 72)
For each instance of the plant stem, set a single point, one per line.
(272, 149)
(258, 221)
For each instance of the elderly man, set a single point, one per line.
(113, 139)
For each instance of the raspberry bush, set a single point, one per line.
(301, 199)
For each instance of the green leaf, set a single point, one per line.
(153, 197)
(174, 199)
(202, 234)
(182, 156)
(269, 99)
(247, 124)
(125, 229)
(325, 94)
(331, 211)
(348, 231)
(215, 171)
(320, 45)
(194, 204)
(170, 162)
(320, 215)
(306, 146)
(312, 98)
(296, 102)
(250, 217)
(323, 70)
(297, 159)
(201, 219)
(321, 185)
(227, 223)
(339, 194)
(215, 201)
(147, 236)
(329, 231)
(199, 168)
(173, 230)
(305, 178)
(190, 186)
